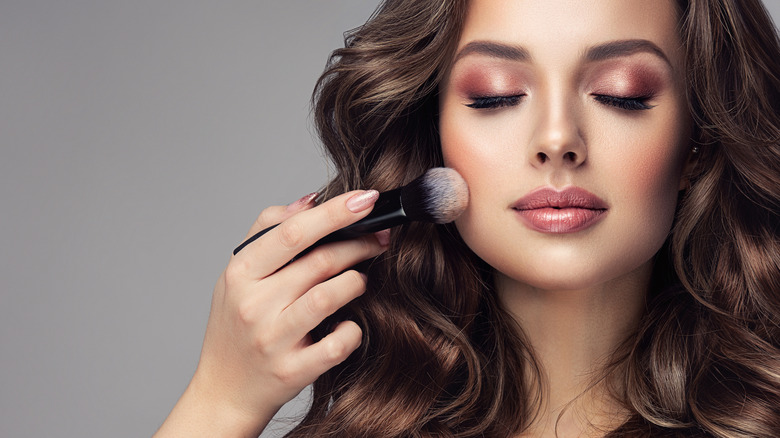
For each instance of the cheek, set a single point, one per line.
(483, 147)
(651, 177)
(655, 174)
(481, 158)
(460, 152)
(474, 150)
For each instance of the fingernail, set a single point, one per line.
(383, 237)
(299, 204)
(362, 201)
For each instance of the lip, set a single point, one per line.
(567, 210)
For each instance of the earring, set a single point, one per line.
(695, 149)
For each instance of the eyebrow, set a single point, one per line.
(494, 49)
(615, 49)
(612, 49)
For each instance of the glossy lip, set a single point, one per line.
(568, 210)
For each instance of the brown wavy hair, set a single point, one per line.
(441, 357)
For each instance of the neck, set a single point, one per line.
(573, 334)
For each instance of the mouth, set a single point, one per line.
(569, 210)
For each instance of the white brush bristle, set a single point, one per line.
(445, 194)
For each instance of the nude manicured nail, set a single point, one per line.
(362, 201)
(304, 201)
(383, 237)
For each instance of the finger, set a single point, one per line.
(319, 302)
(316, 359)
(278, 213)
(292, 281)
(279, 245)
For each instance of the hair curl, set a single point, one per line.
(441, 357)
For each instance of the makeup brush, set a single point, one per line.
(438, 196)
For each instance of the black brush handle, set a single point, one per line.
(388, 212)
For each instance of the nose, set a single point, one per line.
(557, 139)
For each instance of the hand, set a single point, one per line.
(257, 353)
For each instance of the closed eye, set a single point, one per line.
(637, 103)
(490, 102)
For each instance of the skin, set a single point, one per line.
(576, 295)
(257, 354)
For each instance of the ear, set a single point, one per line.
(688, 167)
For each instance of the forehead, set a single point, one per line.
(560, 29)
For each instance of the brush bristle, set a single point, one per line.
(439, 196)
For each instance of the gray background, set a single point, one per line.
(139, 140)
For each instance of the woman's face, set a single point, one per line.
(568, 120)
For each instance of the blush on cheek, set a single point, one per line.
(656, 174)
(463, 144)
(656, 182)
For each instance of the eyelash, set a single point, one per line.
(638, 103)
(491, 102)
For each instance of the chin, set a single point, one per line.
(573, 275)
(571, 280)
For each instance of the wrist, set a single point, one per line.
(202, 411)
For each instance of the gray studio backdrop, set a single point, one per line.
(139, 140)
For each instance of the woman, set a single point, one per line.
(615, 273)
